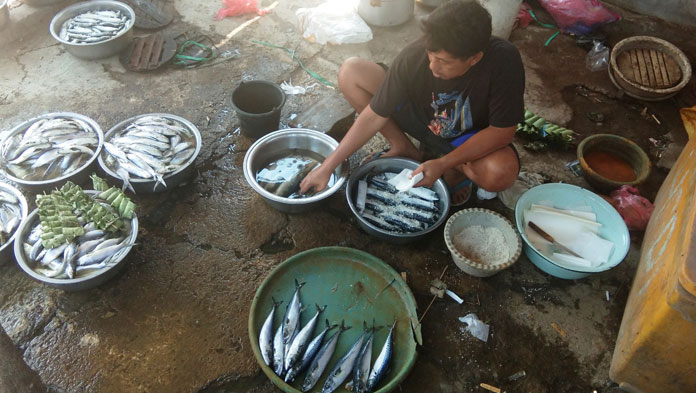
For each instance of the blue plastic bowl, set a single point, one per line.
(566, 196)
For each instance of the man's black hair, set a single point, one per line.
(462, 28)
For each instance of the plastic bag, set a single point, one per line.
(524, 18)
(597, 58)
(239, 7)
(579, 16)
(474, 326)
(334, 22)
(634, 208)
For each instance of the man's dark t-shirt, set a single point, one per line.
(490, 93)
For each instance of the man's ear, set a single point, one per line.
(476, 58)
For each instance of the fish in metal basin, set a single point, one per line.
(150, 147)
(381, 366)
(48, 148)
(308, 356)
(266, 336)
(10, 215)
(299, 344)
(92, 251)
(282, 177)
(410, 211)
(343, 368)
(321, 360)
(94, 26)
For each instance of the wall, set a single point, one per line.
(676, 11)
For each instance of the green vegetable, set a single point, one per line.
(543, 134)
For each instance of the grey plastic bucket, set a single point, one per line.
(258, 104)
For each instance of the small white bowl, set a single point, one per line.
(487, 219)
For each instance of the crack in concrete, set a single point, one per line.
(37, 331)
(21, 67)
(36, 49)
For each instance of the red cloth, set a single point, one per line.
(239, 7)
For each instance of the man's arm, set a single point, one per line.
(365, 127)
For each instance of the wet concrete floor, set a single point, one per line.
(175, 319)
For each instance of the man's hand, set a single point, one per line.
(316, 180)
(431, 170)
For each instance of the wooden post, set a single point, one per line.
(15, 375)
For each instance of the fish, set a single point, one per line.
(321, 360)
(343, 367)
(48, 148)
(308, 356)
(291, 320)
(278, 352)
(291, 186)
(101, 254)
(300, 342)
(266, 336)
(86, 253)
(361, 369)
(381, 366)
(379, 222)
(94, 26)
(149, 147)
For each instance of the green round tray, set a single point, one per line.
(351, 283)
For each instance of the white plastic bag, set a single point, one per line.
(474, 326)
(597, 59)
(333, 22)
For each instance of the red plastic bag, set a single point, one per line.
(524, 18)
(239, 7)
(634, 209)
(579, 16)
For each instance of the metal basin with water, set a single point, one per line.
(276, 144)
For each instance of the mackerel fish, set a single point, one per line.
(308, 356)
(266, 336)
(343, 367)
(299, 344)
(411, 211)
(381, 366)
(321, 360)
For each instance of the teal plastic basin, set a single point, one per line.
(566, 196)
(355, 286)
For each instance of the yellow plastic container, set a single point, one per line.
(656, 348)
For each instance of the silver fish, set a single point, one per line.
(321, 360)
(343, 367)
(278, 351)
(361, 369)
(299, 344)
(381, 366)
(291, 321)
(266, 336)
(308, 356)
(101, 255)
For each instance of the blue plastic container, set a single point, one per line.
(567, 196)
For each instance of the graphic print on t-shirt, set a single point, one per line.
(451, 115)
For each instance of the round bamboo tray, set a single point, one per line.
(648, 68)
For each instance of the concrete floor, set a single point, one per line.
(175, 320)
